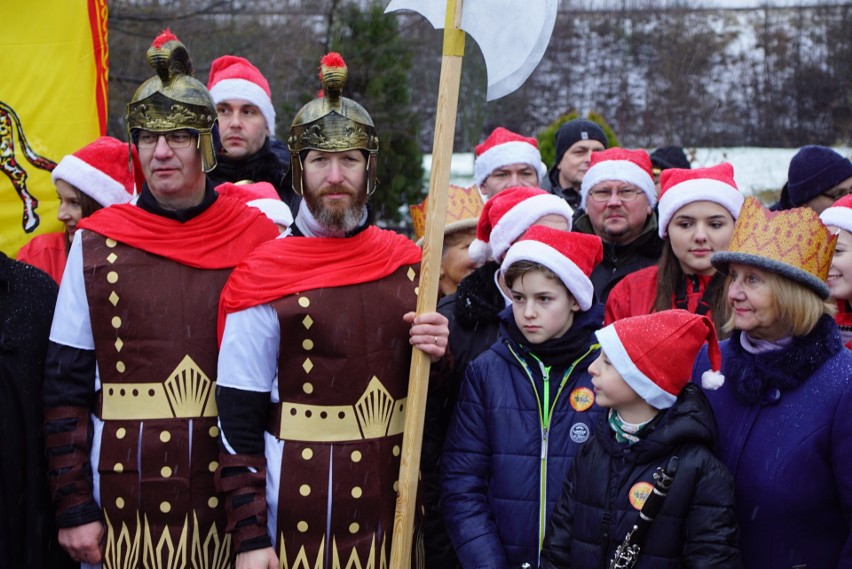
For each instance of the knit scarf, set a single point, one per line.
(753, 375)
(625, 432)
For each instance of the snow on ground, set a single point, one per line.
(755, 169)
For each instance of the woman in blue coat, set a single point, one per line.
(525, 406)
(785, 412)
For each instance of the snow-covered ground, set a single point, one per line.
(755, 169)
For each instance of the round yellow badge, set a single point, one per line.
(639, 493)
(582, 398)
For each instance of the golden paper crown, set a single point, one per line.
(793, 243)
(463, 208)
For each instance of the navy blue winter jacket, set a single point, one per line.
(696, 526)
(515, 430)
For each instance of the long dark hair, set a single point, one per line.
(670, 273)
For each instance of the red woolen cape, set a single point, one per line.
(222, 236)
(295, 264)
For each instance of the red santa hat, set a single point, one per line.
(260, 195)
(655, 353)
(680, 187)
(572, 256)
(622, 165)
(233, 77)
(504, 148)
(839, 214)
(506, 216)
(102, 171)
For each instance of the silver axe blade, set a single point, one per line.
(512, 40)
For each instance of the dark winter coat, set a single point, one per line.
(621, 260)
(271, 163)
(504, 462)
(27, 534)
(696, 526)
(785, 432)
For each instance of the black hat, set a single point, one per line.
(574, 131)
(815, 170)
(670, 157)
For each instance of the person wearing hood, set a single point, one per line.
(526, 406)
(655, 419)
(576, 140)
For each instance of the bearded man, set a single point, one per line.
(315, 358)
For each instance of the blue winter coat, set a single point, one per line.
(696, 526)
(785, 432)
(514, 433)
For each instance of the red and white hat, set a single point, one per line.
(655, 353)
(260, 195)
(572, 256)
(679, 187)
(507, 215)
(101, 171)
(504, 148)
(233, 77)
(839, 214)
(622, 165)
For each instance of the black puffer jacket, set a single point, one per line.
(696, 526)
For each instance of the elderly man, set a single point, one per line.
(507, 160)
(576, 140)
(618, 196)
(314, 363)
(250, 152)
(130, 416)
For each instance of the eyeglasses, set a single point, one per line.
(623, 194)
(175, 139)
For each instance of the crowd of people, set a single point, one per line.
(633, 364)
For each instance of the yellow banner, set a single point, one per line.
(53, 100)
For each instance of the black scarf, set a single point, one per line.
(262, 166)
(754, 375)
(478, 299)
(558, 353)
(148, 203)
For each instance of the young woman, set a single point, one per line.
(697, 212)
(95, 176)
(526, 405)
(838, 218)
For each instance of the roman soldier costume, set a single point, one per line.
(131, 428)
(324, 366)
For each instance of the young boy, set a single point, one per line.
(642, 377)
(526, 404)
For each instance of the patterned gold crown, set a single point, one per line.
(793, 243)
(463, 208)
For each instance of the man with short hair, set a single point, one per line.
(576, 140)
(505, 160)
(618, 196)
(250, 152)
(314, 364)
(130, 416)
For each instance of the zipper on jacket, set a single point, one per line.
(545, 414)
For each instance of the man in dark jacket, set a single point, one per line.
(576, 140)
(618, 196)
(250, 152)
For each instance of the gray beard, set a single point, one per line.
(336, 220)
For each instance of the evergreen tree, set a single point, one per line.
(379, 62)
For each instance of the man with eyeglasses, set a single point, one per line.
(130, 413)
(618, 197)
(818, 176)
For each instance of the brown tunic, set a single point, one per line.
(342, 380)
(154, 327)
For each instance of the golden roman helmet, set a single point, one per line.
(333, 123)
(173, 99)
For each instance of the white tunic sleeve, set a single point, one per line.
(248, 357)
(72, 325)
